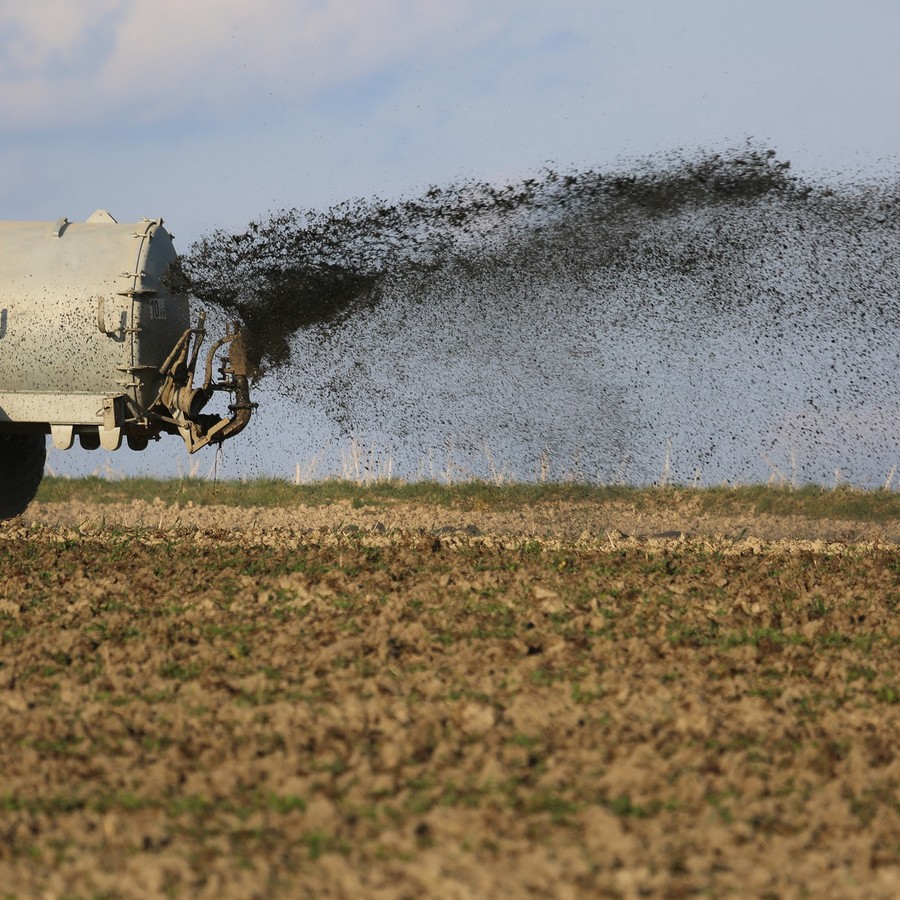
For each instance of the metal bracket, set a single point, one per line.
(63, 436)
(101, 319)
(113, 412)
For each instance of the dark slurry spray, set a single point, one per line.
(702, 318)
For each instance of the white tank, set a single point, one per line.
(85, 318)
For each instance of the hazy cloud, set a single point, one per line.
(65, 63)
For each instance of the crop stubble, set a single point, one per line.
(404, 708)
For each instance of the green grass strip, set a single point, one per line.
(811, 502)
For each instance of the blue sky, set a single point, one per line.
(213, 112)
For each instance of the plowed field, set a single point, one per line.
(408, 701)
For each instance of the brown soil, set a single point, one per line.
(564, 520)
(405, 701)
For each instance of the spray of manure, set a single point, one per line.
(715, 307)
(302, 268)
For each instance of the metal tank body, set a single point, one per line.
(84, 314)
(93, 342)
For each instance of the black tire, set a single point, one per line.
(22, 459)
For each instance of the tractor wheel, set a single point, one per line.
(22, 458)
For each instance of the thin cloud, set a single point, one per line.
(66, 63)
(47, 40)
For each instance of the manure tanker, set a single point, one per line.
(96, 345)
